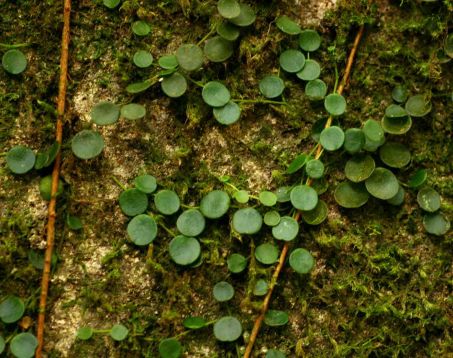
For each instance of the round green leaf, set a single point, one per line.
(87, 144)
(448, 48)
(316, 90)
(133, 111)
(14, 61)
(400, 94)
(223, 291)
(298, 163)
(217, 49)
(309, 40)
(292, 61)
(167, 202)
(436, 223)
(84, 333)
(229, 8)
(396, 126)
(335, 104)
(273, 353)
(184, 250)
(142, 230)
(215, 94)
(190, 57)
(2, 344)
(191, 223)
(359, 168)
(168, 62)
(314, 168)
(215, 204)
(382, 184)
(317, 215)
(272, 218)
(143, 59)
(139, 87)
(267, 253)
(105, 113)
(133, 202)
(118, 332)
(246, 16)
(320, 125)
(227, 114)
(45, 187)
(286, 230)
(310, 72)
(47, 157)
(12, 309)
(170, 348)
(395, 111)
(227, 329)
(236, 263)
(276, 318)
(241, 196)
(247, 221)
(23, 345)
(428, 199)
(111, 4)
(301, 261)
(74, 222)
(261, 287)
(304, 197)
(271, 86)
(418, 178)
(372, 146)
(141, 28)
(398, 199)
(283, 194)
(288, 26)
(395, 155)
(418, 106)
(320, 185)
(228, 31)
(332, 138)
(194, 322)
(267, 198)
(146, 183)
(174, 85)
(20, 159)
(351, 195)
(354, 140)
(373, 130)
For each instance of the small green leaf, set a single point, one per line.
(215, 94)
(74, 222)
(400, 94)
(316, 90)
(167, 202)
(228, 31)
(292, 61)
(276, 318)
(315, 168)
(105, 113)
(139, 87)
(133, 111)
(14, 62)
(382, 184)
(332, 138)
(241, 196)
(217, 49)
(227, 114)
(395, 111)
(301, 261)
(246, 16)
(304, 197)
(271, 86)
(184, 250)
(227, 329)
(428, 199)
(297, 163)
(267, 198)
(45, 187)
(118, 332)
(84, 333)
(194, 322)
(317, 215)
(354, 140)
(351, 195)
(310, 71)
(228, 8)
(215, 204)
(191, 223)
(141, 28)
(175, 85)
(418, 105)
(266, 253)
(286, 230)
(418, 178)
(335, 104)
(272, 218)
(261, 287)
(143, 59)
(170, 348)
(236, 263)
(12, 308)
(273, 353)
(133, 202)
(395, 155)
(436, 223)
(373, 130)
(247, 221)
(223, 291)
(190, 57)
(146, 183)
(398, 199)
(142, 230)
(359, 168)
(87, 144)
(23, 345)
(309, 40)
(20, 159)
(168, 62)
(288, 26)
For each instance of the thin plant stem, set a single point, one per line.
(297, 215)
(259, 101)
(14, 45)
(121, 185)
(55, 176)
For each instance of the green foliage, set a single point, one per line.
(105, 113)
(146, 183)
(170, 348)
(246, 16)
(174, 85)
(267, 253)
(133, 202)
(23, 345)
(287, 229)
(74, 222)
(227, 329)
(382, 184)
(228, 31)
(292, 61)
(316, 90)
(143, 59)
(190, 57)
(119, 332)
(304, 197)
(217, 49)
(133, 111)
(184, 250)
(142, 230)
(261, 287)
(20, 159)
(351, 195)
(310, 71)
(272, 218)
(45, 187)
(12, 309)
(288, 26)
(395, 155)
(301, 261)
(276, 318)
(227, 114)
(47, 157)
(141, 28)
(223, 291)
(359, 168)
(87, 144)
(111, 4)
(191, 223)
(247, 221)
(14, 61)
(436, 223)
(236, 263)
(309, 40)
(418, 178)
(428, 199)
(168, 62)
(271, 86)
(317, 215)
(84, 333)
(273, 353)
(215, 204)
(167, 202)
(229, 9)
(418, 105)
(215, 94)
(335, 104)
(194, 322)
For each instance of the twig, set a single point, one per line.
(55, 177)
(282, 259)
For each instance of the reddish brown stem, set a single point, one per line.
(55, 177)
(284, 253)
